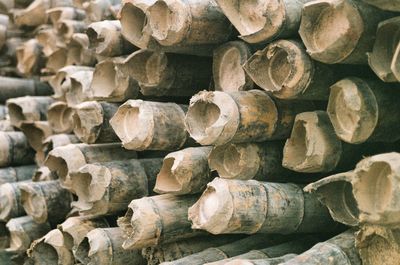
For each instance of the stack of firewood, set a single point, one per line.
(199, 132)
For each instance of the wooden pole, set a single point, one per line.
(98, 10)
(18, 87)
(16, 174)
(79, 90)
(47, 37)
(11, 201)
(15, 149)
(59, 116)
(56, 60)
(30, 58)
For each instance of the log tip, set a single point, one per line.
(88, 118)
(34, 203)
(167, 180)
(134, 25)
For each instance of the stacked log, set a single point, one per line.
(199, 132)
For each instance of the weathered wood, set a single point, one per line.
(225, 207)
(23, 230)
(66, 12)
(45, 201)
(8, 5)
(228, 72)
(80, 88)
(16, 174)
(362, 110)
(103, 246)
(56, 60)
(147, 125)
(111, 83)
(286, 70)
(184, 172)
(43, 174)
(5, 126)
(267, 261)
(15, 149)
(33, 15)
(216, 118)
(11, 201)
(97, 10)
(60, 117)
(36, 132)
(392, 5)
(8, 57)
(168, 74)
(68, 159)
(30, 57)
(357, 22)
(57, 140)
(79, 52)
(109, 187)
(158, 219)
(91, 121)
(3, 112)
(66, 28)
(47, 37)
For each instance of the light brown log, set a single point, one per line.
(216, 118)
(47, 37)
(103, 246)
(15, 150)
(161, 74)
(98, 10)
(30, 58)
(339, 31)
(228, 72)
(57, 140)
(381, 57)
(184, 172)
(158, 219)
(66, 28)
(45, 201)
(57, 14)
(16, 174)
(147, 125)
(106, 38)
(3, 112)
(23, 230)
(285, 70)
(392, 5)
(68, 159)
(43, 174)
(267, 261)
(337, 250)
(361, 110)
(17, 87)
(28, 109)
(36, 132)
(111, 83)
(60, 117)
(91, 121)
(33, 15)
(56, 60)
(8, 55)
(109, 187)
(80, 88)
(238, 206)
(11, 201)
(79, 52)
(5, 126)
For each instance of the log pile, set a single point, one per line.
(199, 132)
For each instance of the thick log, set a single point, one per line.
(68, 159)
(3, 112)
(80, 88)
(285, 70)
(111, 83)
(60, 117)
(168, 74)
(57, 140)
(216, 118)
(43, 174)
(158, 219)
(91, 121)
(145, 125)
(103, 246)
(381, 58)
(16, 174)
(106, 38)
(109, 187)
(184, 172)
(47, 37)
(98, 10)
(385, 4)
(4, 238)
(30, 58)
(45, 201)
(56, 60)
(15, 149)
(357, 22)
(28, 109)
(226, 206)
(79, 52)
(361, 110)
(57, 14)
(337, 250)
(33, 15)
(228, 72)
(66, 28)
(36, 132)
(23, 230)
(11, 201)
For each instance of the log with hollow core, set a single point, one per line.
(79, 91)
(30, 58)
(65, 12)
(11, 201)
(15, 149)
(225, 207)
(43, 174)
(66, 28)
(36, 132)
(59, 116)
(50, 41)
(17, 87)
(385, 4)
(57, 140)
(33, 15)
(99, 10)
(79, 52)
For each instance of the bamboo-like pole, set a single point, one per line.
(47, 37)
(30, 58)
(11, 201)
(15, 149)
(33, 15)
(79, 90)
(97, 10)
(224, 207)
(60, 117)
(56, 60)
(16, 174)
(79, 52)
(18, 87)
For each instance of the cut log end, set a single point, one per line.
(88, 118)
(82, 252)
(34, 203)
(133, 25)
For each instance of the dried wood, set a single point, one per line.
(11, 201)
(15, 149)
(392, 5)
(16, 174)
(30, 57)
(60, 117)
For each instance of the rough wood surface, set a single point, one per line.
(18, 87)
(15, 149)
(11, 201)
(16, 174)
(59, 116)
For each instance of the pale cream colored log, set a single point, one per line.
(17, 87)
(5, 126)
(11, 201)
(98, 10)
(147, 125)
(43, 174)
(225, 207)
(184, 172)
(266, 261)
(103, 246)
(57, 140)
(79, 52)
(15, 149)
(45, 201)
(56, 61)
(80, 88)
(66, 28)
(47, 37)
(216, 118)
(28, 109)
(30, 58)
(16, 174)
(68, 159)
(157, 219)
(392, 5)
(60, 117)
(36, 132)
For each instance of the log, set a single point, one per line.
(79, 52)
(33, 15)
(80, 88)
(285, 70)
(228, 72)
(106, 39)
(12, 257)
(66, 28)
(5, 126)
(45, 201)
(151, 221)
(103, 246)
(47, 37)
(23, 230)
(168, 74)
(216, 118)
(43, 174)
(15, 150)
(56, 60)
(357, 22)
(111, 84)
(8, 56)
(30, 58)
(184, 172)
(385, 4)
(97, 10)
(109, 187)
(36, 132)
(267, 261)
(339, 249)
(57, 140)
(238, 206)
(60, 117)
(66, 12)
(11, 201)
(68, 159)
(145, 125)
(380, 59)
(264, 20)
(91, 121)
(361, 110)
(16, 174)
